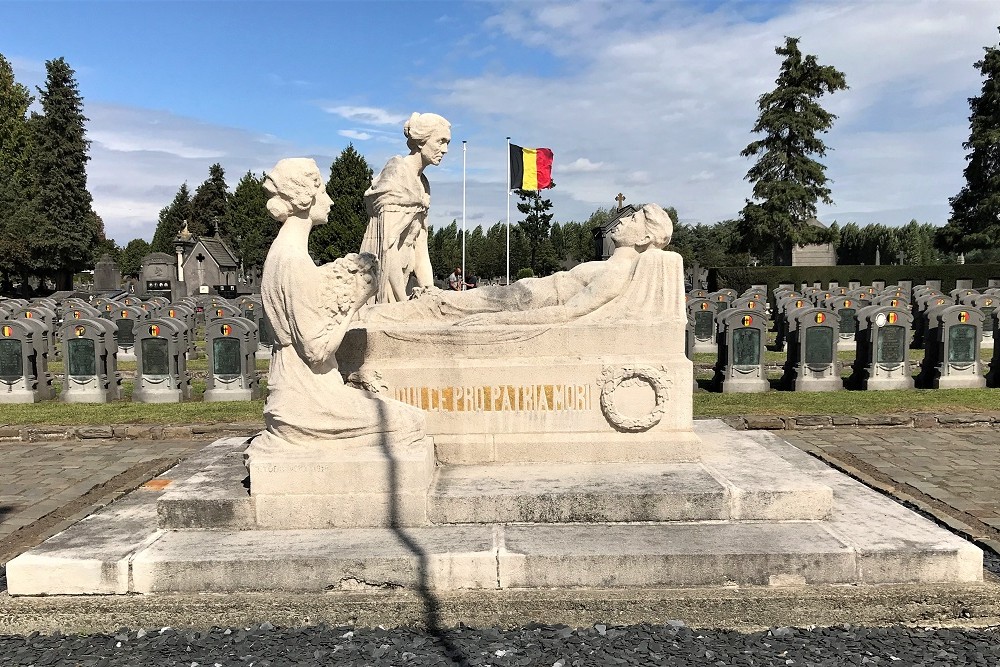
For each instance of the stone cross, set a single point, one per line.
(620, 199)
(901, 256)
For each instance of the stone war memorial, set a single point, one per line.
(534, 436)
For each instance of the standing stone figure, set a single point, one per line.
(397, 204)
(310, 308)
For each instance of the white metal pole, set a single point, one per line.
(463, 214)
(508, 211)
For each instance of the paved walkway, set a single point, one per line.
(953, 473)
(47, 486)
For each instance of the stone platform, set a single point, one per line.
(753, 511)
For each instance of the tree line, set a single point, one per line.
(49, 230)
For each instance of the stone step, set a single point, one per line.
(867, 539)
(620, 492)
(536, 556)
(208, 490)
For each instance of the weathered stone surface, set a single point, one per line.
(885, 420)
(143, 432)
(843, 420)
(764, 422)
(966, 419)
(175, 432)
(10, 432)
(91, 432)
(925, 420)
(811, 420)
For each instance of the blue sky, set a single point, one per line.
(652, 99)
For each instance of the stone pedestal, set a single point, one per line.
(537, 394)
(344, 487)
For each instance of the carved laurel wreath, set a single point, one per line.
(611, 378)
(368, 380)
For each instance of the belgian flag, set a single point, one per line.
(530, 168)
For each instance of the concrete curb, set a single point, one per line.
(904, 420)
(36, 433)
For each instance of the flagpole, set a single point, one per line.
(463, 214)
(508, 211)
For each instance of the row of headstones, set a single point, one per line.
(878, 321)
(158, 335)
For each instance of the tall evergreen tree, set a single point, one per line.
(250, 228)
(350, 176)
(171, 221)
(15, 176)
(62, 238)
(535, 226)
(975, 210)
(787, 180)
(208, 206)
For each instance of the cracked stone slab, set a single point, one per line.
(447, 557)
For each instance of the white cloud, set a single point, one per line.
(581, 165)
(367, 115)
(354, 134)
(669, 96)
(139, 158)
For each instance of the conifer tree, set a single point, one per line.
(535, 226)
(62, 237)
(975, 210)
(15, 176)
(250, 228)
(350, 176)
(787, 180)
(171, 221)
(209, 204)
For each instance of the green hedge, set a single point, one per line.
(742, 277)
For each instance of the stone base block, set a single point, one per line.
(885, 384)
(21, 397)
(219, 395)
(86, 396)
(738, 386)
(361, 486)
(959, 382)
(157, 396)
(819, 384)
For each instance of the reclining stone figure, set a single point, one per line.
(633, 284)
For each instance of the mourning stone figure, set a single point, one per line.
(309, 308)
(397, 203)
(632, 284)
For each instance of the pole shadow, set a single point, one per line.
(431, 604)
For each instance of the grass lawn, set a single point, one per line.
(706, 405)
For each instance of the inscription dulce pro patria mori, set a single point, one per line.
(498, 398)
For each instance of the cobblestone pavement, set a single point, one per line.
(951, 473)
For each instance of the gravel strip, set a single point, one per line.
(532, 645)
